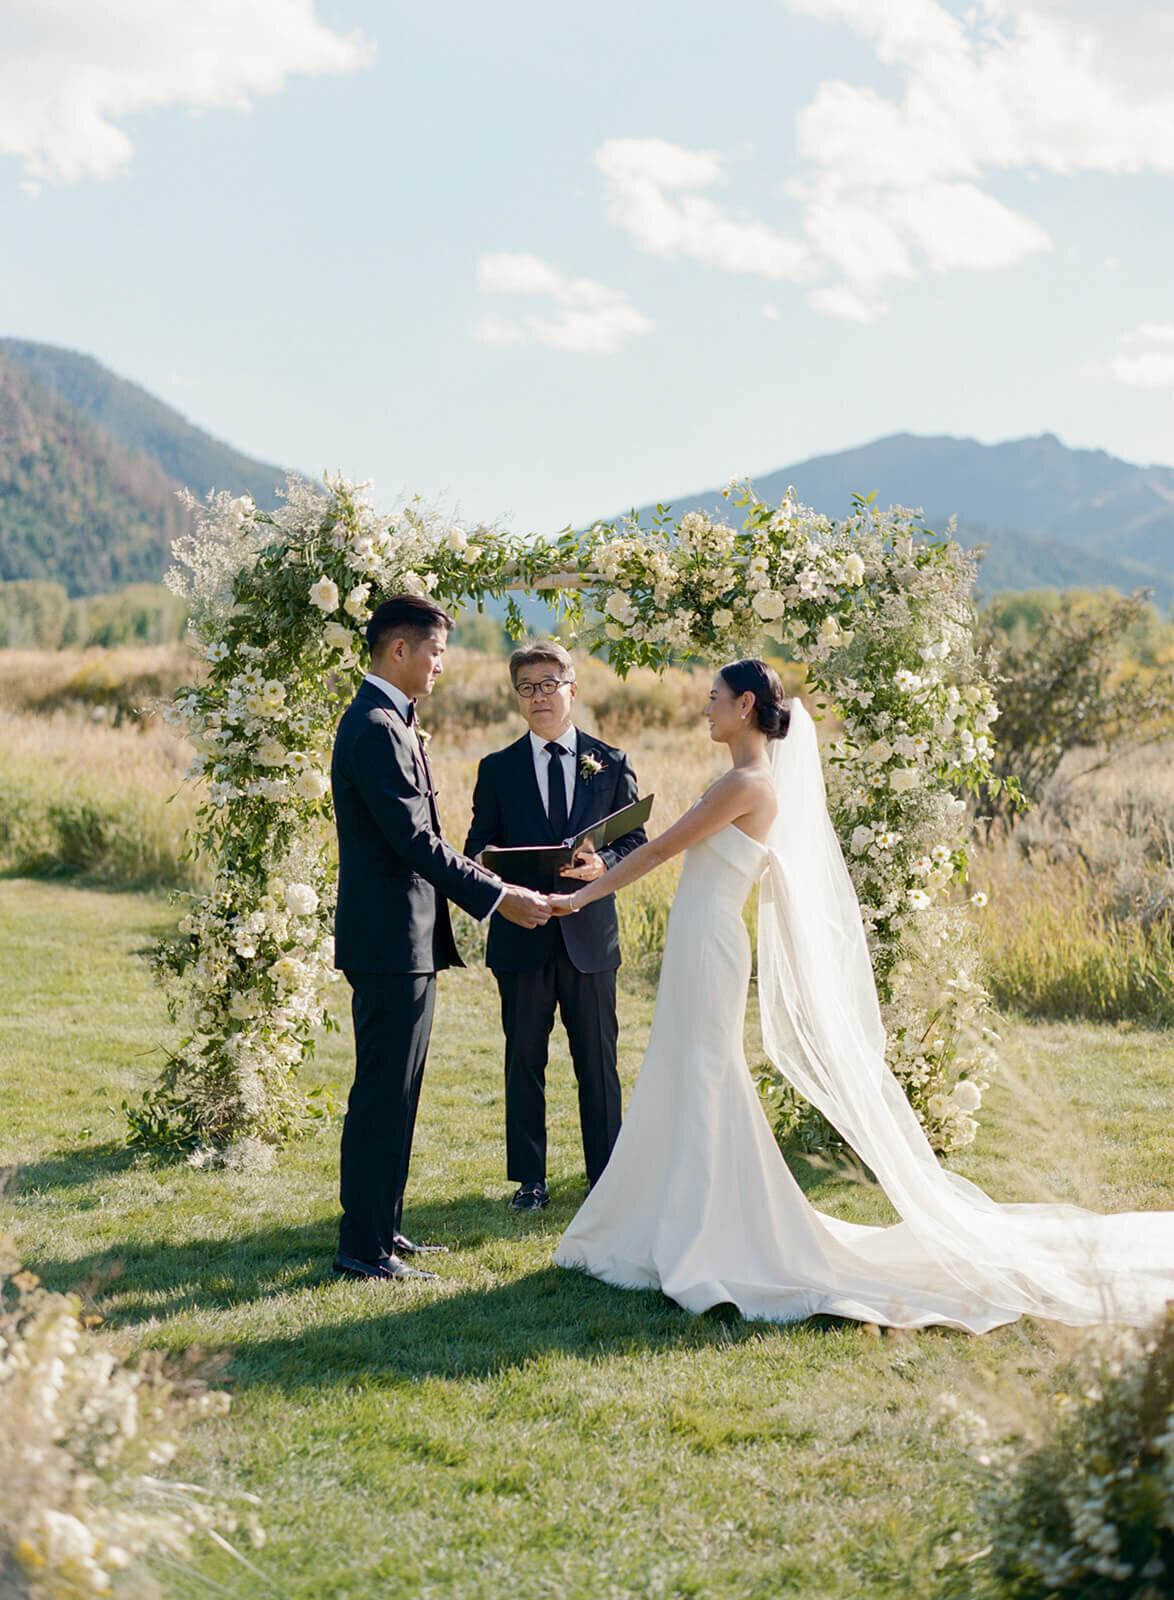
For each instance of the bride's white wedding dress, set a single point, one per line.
(697, 1200)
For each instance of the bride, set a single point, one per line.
(697, 1199)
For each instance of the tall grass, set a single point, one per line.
(1081, 916)
(79, 799)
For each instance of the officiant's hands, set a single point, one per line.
(587, 866)
(523, 906)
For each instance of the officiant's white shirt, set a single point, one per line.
(543, 758)
(401, 702)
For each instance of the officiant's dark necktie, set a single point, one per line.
(556, 789)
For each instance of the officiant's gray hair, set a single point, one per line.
(541, 650)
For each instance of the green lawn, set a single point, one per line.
(513, 1430)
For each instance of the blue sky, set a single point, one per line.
(538, 263)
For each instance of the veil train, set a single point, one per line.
(822, 1028)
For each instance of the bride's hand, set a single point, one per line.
(563, 905)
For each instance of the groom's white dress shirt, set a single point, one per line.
(542, 761)
(403, 704)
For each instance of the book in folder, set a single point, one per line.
(518, 864)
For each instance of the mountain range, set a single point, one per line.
(89, 466)
(1047, 516)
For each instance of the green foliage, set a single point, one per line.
(1088, 1511)
(140, 613)
(1062, 685)
(34, 614)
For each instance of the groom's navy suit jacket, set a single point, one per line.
(508, 811)
(396, 874)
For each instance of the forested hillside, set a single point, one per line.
(76, 505)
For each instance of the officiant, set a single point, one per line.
(548, 786)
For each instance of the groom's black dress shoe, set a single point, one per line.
(531, 1197)
(391, 1269)
(408, 1247)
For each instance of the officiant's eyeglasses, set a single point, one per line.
(545, 687)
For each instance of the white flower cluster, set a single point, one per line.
(82, 1438)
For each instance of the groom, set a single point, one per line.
(554, 782)
(396, 875)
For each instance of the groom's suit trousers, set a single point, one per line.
(392, 1014)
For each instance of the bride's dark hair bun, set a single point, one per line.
(772, 714)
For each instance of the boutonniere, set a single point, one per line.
(424, 737)
(589, 766)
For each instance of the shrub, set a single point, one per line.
(1064, 681)
(1080, 1502)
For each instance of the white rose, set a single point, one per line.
(769, 604)
(620, 607)
(614, 631)
(723, 619)
(337, 636)
(324, 594)
(270, 754)
(356, 601)
(829, 631)
(966, 1095)
(310, 785)
(878, 751)
(854, 568)
(301, 899)
(471, 556)
(903, 779)
(457, 539)
(240, 509)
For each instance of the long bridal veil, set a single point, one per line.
(822, 1028)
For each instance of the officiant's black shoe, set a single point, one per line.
(390, 1270)
(409, 1247)
(531, 1197)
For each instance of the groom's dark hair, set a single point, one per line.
(406, 616)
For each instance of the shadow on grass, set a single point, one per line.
(68, 1169)
(408, 1333)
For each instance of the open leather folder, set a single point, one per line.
(531, 861)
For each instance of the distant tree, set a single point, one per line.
(1067, 675)
(33, 614)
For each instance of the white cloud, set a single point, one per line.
(587, 316)
(898, 183)
(647, 184)
(1144, 358)
(1059, 86)
(71, 71)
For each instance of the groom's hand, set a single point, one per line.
(523, 906)
(588, 864)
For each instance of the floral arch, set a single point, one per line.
(883, 621)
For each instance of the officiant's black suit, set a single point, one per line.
(393, 934)
(569, 964)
